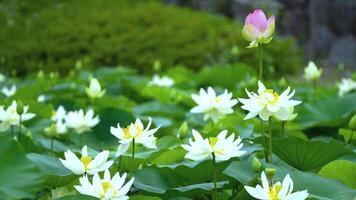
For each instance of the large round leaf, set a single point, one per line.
(19, 178)
(308, 155)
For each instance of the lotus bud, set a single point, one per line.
(311, 72)
(352, 123)
(183, 130)
(19, 107)
(256, 164)
(258, 29)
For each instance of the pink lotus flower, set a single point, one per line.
(258, 29)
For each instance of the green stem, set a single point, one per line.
(264, 140)
(20, 128)
(13, 131)
(132, 157)
(52, 142)
(352, 134)
(270, 140)
(215, 194)
(119, 167)
(260, 71)
(80, 139)
(283, 128)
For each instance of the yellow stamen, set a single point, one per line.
(273, 192)
(106, 186)
(86, 161)
(213, 141)
(129, 135)
(217, 99)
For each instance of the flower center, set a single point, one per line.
(217, 100)
(129, 135)
(86, 161)
(106, 186)
(271, 96)
(273, 192)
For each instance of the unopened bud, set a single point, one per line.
(256, 164)
(19, 109)
(183, 130)
(352, 123)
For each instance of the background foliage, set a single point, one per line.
(53, 35)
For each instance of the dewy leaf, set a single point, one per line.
(342, 170)
(308, 155)
(19, 178)
(328, 112)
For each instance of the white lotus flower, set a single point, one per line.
(223, 148)
(107, 188)
(346, 85)
(86, 164)
(278, 191)
(10, 117)
(59, 126)
(8, 92)
(81, 122)
(135, 132)
(311, 72)
(269, 103)
(214, 107)
(94, 90)
(165, 81)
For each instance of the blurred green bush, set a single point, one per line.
(53, 35)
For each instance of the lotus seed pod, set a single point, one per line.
(270, 172)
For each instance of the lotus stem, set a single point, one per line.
(215, 193)
(283, 128)
(260, 71)
(264, 140)
(52, 144)
(270, 140)
(20, 128)
(132, 157)
(119, 164)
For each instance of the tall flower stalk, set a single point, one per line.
(215, 194)
(132, 157)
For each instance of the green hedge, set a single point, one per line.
(53, 35)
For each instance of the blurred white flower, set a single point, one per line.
(56, 128)
(311, 72)
(86, 164)
(81, 122)
(8, 92)
(346, 85)
(276, 191)
(269, 103)
(2, 77)
(59, 114)
(59, 126)
(223, 148)
(9, 117)
(41, 98)
(94, 90)
(165, 81)
(214, 107)
(135, 132)
(107, 188)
